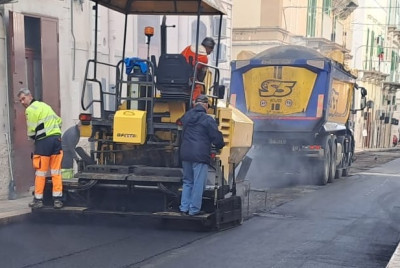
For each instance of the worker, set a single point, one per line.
(69, 140)
(200, 133)
(44, 127)
(207, 46)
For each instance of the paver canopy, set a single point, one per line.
(164, 7)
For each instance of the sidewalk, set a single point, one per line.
(14, 210)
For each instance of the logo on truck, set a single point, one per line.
(276, 88)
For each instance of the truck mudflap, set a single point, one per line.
(228, 213)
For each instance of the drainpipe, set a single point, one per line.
(11, 186)
(73, 37)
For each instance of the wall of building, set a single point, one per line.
(4, 114)
(372, 17)
(252, 10)
(285, 22)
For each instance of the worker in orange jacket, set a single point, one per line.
(207, 46)
(44, 127)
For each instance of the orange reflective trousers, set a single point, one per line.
(43, 162)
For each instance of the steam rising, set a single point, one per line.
(277, 169)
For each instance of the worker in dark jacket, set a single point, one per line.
(200, 132)
(44, 127)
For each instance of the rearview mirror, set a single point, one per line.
(363, 99)
(363, 103)
(221, 91)
(363, 91)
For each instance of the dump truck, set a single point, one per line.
(302, 104)
(134, 130)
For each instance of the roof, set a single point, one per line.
(289, 52)
(164, 7)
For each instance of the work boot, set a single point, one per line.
(36, 203)
(58, 203)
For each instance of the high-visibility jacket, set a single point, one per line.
(190, 54)
(42, 121)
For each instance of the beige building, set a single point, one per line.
(282, 22)
(376, 57)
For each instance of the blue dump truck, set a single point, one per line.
(302, 104)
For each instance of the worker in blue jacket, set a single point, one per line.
(200, 133)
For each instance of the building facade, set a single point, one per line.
(375, 55)
(313, 23)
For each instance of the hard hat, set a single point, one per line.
(208, 42)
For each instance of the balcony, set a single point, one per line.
(343, 8)
(395, 31)
(373, 75)
(392, 87)
(327, 48)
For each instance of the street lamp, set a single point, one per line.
(355, 55)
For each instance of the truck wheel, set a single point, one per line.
(322, 168)
(346, 172)
(332, 163)
(338, 174)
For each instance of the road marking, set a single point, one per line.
(379, 174)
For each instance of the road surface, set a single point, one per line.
(350, 223)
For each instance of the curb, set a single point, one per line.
(14, 217)
(362, 150)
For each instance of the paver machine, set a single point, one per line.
(133, 165)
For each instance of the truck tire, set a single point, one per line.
(347, 164)
(338, 173)
(332, 163)
(346, 172)
(342, 164)
(322, 167)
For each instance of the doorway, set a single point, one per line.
(34, 64)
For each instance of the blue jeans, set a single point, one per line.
(194, 181)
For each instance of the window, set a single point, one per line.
(202, 32)
(311, 14)
(371, 52)
(327, 6)
(216, 22)
(222, 53)
(366, 50)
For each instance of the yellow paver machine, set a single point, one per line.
(133, 165)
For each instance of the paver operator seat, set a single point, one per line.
(173, 75)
